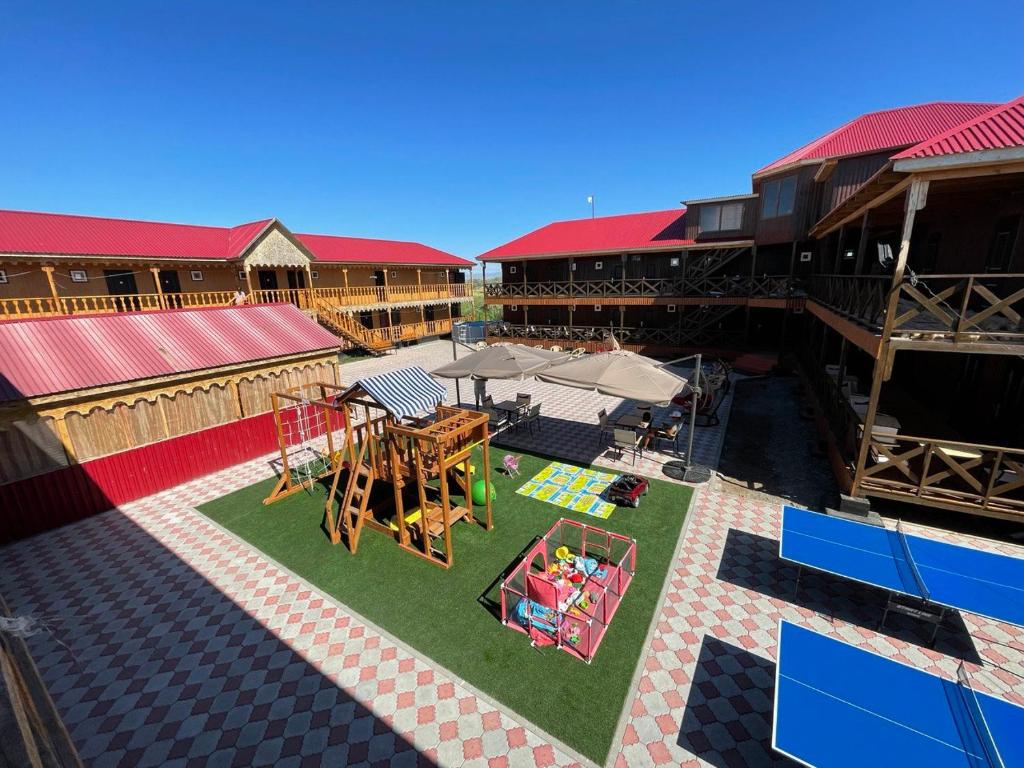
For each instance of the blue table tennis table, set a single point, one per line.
(925, 578)
(837, 705)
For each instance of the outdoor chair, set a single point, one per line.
(531, 418)
(556, 348)
(495, 419)
(488, 403)
(602, 422)
(627, 440)
(578, 352)
(668, 432)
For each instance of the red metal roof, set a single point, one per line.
(887, 129)
(999, 128)
(629, 232)
(362, 250)
(59, 234)
(61, 354)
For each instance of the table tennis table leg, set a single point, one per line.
(799, 573)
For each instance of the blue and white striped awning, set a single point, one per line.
(405, 392)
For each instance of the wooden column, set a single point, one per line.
(839, 250)
(862, 244)
(419, 294)
(916, 198)
(248, 282)
(48, 271)
(785, 314)
(155, 271)
(750, 293)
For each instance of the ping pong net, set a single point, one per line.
(977, 717)
(922, 588)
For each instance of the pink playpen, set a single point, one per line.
(566, 589)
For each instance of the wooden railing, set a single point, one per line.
(953, 308)
(370, 295)
(601, 335)
(718, 286)
(14, 308)
(976, 478)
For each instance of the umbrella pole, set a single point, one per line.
(694, 473)
(694, 388)
(455, 356)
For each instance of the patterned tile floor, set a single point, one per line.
(173, 643)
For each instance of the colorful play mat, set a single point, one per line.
(571, 487)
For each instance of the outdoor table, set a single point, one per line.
(512, 408)
(630, 421)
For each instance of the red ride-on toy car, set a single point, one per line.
(627, 490)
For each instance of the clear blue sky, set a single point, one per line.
(461, 125)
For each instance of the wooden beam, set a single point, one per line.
(917, 195)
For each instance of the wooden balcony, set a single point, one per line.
(983, 479)
(718, 289)
(349, 298)
(973, 313)
(598, 338)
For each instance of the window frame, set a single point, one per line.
(772, 192)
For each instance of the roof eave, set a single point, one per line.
(619, 251)
(960, 160)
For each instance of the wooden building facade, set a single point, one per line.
(372, 293)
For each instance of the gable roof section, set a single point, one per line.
(657, 230)
(63, 354)
(364, 250)
(999, 128)
(885, 129)
(64, 234)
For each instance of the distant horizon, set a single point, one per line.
(459, 127)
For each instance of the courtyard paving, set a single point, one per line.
(171, 642)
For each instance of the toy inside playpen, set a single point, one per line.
(566, 589)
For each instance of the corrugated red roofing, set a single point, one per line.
(59, 233)
(629, 232)
(360, 250)
(62, 354)
(887, 129)
(999, 128)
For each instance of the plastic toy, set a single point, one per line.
(480, 492)
(627, 490)
(511, 464)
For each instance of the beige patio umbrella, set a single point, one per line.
(618, 374)
(501, 361)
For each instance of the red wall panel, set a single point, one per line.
(43, 502)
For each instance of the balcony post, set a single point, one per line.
(419, 294)
(309, 286)
(839, 249)
(916, 198)
(572, 266)
(48, 271)
(622, 289)
(155, 271)
(862, 244)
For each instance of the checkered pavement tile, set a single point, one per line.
(173, 643)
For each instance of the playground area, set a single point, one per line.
(454, 617)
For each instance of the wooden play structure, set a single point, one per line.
(306, 417)
(396, 478)
(409, 458)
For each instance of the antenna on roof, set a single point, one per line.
(590, 199)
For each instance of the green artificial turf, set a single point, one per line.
(452, 615)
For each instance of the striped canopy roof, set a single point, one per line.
(405, 392)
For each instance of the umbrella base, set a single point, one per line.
(693, 473)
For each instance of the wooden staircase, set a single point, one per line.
(711, 261)
(349, 329)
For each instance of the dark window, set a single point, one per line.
(723, 217)
(1000, 250)
(268, 279)
(778, 197)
